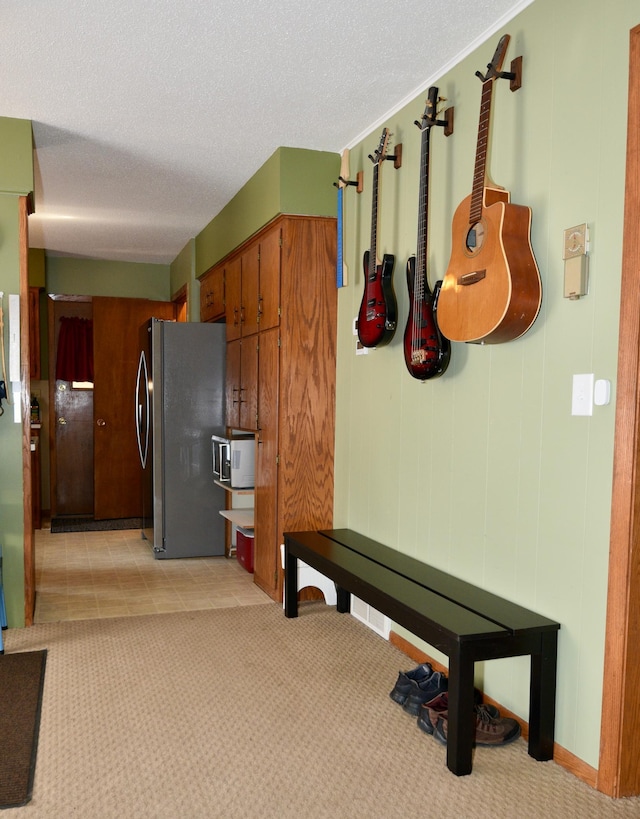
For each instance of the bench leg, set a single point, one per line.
(542, 697)
(461, 717)
(290, 584)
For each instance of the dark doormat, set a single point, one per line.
(88, 524)
(21, 685)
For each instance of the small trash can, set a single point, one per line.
(244, 548)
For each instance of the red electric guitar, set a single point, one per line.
(426, 351)
(491, 291)
(378, 312)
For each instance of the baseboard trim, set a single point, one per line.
(570, 762)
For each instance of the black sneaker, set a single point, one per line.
(406, 679)
(424, 691)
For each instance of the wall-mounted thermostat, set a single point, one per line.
(576, 261)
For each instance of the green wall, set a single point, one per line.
(95, 277)
(16, 178)
(183, 272)
(484, 472)
(16, 156)
(292, 180)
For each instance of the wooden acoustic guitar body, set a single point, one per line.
(491, 292)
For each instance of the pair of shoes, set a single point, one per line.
(407, 679)
(425, 691)
(491, 728)
(438, 708)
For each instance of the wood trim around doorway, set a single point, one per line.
(25, 380)
(618, 770)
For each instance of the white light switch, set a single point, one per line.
(582, 395)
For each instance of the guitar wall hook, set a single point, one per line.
(343, 183)
(446, 123)
(397, 157)
(514, 76)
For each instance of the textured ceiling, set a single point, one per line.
(149, 115)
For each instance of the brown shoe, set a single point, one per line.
(491, 730)
(432, 711)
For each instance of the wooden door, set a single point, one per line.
(250, 268)
(249, 383)
(269, 290)
(266, 546)
(116, 349)
(212, 295)
(232, 391)
(71, 424)
(232, 284)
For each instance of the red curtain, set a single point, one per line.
(75, 349)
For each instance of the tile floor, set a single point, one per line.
(84, 575)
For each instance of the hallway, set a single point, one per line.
(88, 575)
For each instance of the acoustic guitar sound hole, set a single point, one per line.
(475, 238)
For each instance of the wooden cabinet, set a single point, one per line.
(290, 268)
(212, 294)
(242, 383)
(265, 557)
(253, 287)
(269, 280)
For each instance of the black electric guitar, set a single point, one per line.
(378, 311)
(426, 351)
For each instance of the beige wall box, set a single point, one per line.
(576, 261)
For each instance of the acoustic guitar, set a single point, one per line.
(378, 310)
(491, 292)
(426, 351)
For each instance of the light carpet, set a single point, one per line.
(239, 712)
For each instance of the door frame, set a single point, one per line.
(24, 209)
(618, 771)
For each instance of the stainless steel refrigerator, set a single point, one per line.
(180, 402)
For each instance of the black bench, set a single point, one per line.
(463, 621)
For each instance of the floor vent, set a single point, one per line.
(370, 617)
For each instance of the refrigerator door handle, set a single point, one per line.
(142, 435)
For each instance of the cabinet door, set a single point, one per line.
(250, 269)
(249, 383)
(269, 289)
(212, 295)
(233, 383)
(266, 545)
(232, 283)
